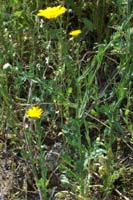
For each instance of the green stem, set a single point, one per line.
(43, 184)
(130, 15)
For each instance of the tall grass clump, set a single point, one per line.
(66, 99)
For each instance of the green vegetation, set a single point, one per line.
(66, 100)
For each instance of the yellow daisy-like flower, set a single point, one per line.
(75, 33)
(52, 12)
(34, 112)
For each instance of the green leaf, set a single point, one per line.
(88, 24)
(18, 13)
(64, 179)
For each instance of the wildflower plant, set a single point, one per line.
(34, 112)
(52, 12)
(34, 131)
(75, 33)
(84, 84)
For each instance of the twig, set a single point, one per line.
(91, 116)
(121, 195)
(28, 191)
(128, 145)
(53, 172)
(1, 190)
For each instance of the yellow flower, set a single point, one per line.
(34, 112)
(52, 12)
(75, 33)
